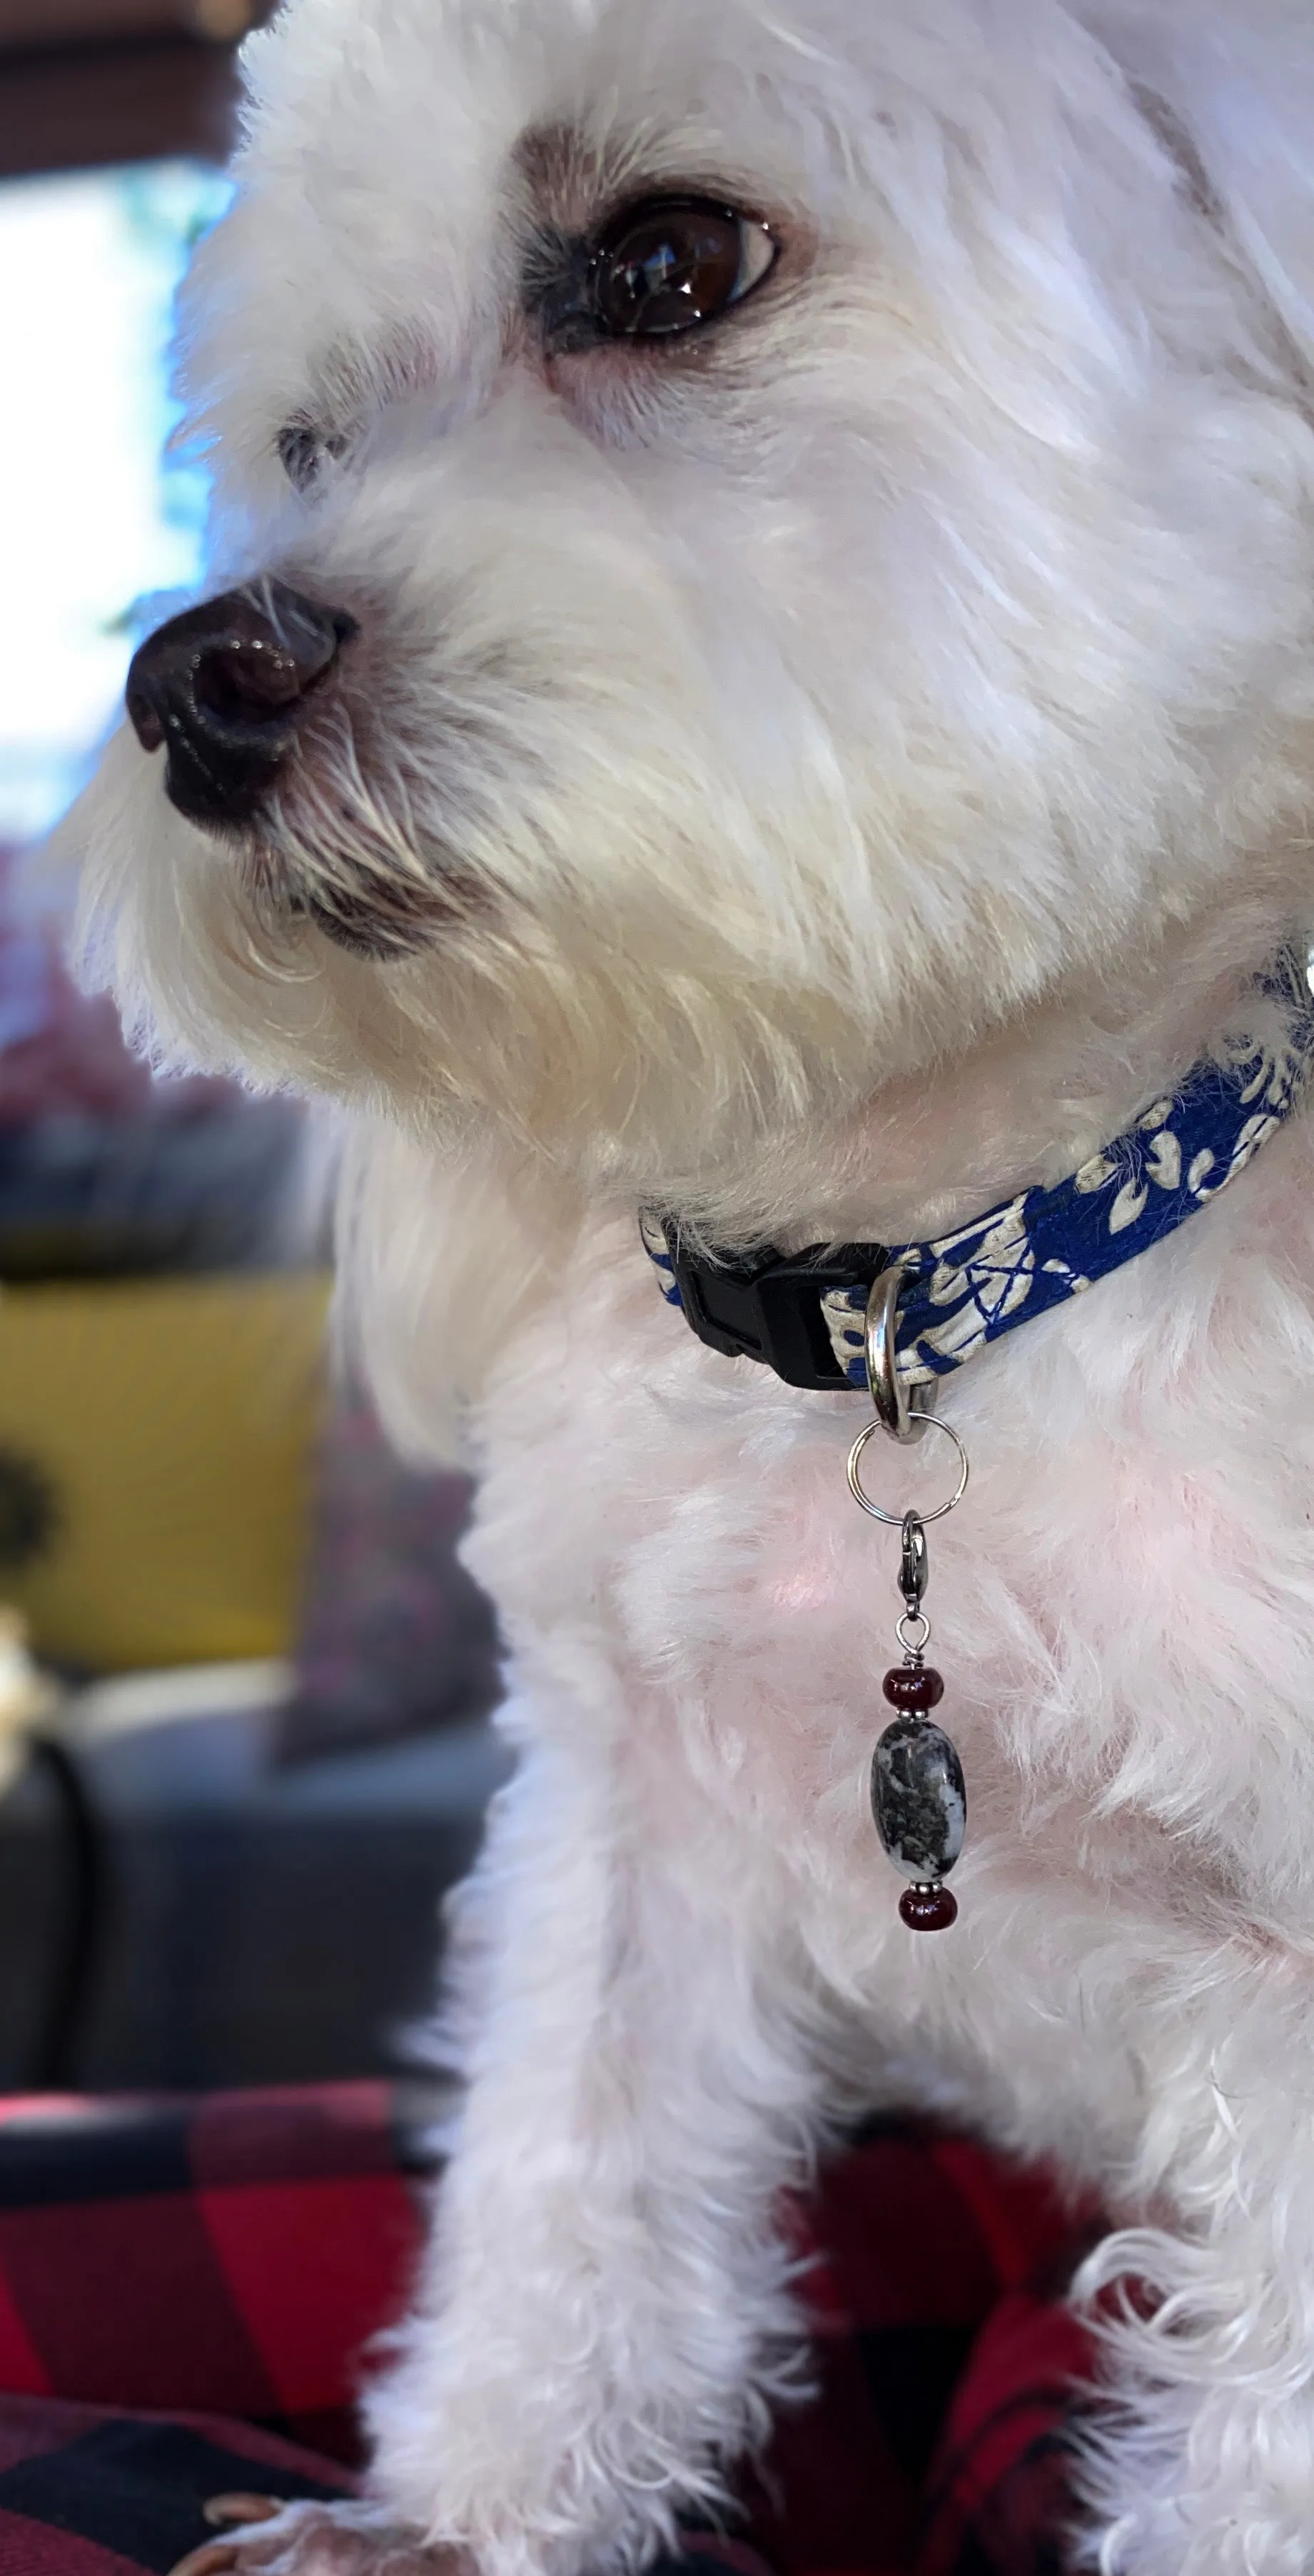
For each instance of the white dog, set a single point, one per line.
(762, 667)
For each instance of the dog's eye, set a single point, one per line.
(673, 263)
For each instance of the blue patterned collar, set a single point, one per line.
(803, 1315)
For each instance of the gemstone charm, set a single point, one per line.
(918, 1797)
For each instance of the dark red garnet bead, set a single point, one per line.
(913, 1686)
(928, 1909)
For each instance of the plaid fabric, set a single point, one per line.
(219, 2266)
(229, 2255)
(86, 2492)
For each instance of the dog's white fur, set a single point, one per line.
(864, 753)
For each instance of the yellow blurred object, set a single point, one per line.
(172, 1423)
(27, 1695)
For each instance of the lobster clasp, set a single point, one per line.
(914, 1569)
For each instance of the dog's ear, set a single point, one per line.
(1229, 86)
(442, 1252)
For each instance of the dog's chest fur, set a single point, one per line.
(1123, 1611)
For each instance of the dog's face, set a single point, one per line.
(768, 541)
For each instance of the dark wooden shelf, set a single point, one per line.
(88, 82)
(114, 103)
(43, 25)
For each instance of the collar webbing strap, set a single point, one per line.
(803, 1315)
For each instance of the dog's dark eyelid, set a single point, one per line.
(302, 450)
(555, 289)
(300, 453)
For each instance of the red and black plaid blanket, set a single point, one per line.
(187, 2290)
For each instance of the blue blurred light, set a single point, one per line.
(92, 512)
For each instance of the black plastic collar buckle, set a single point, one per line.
(769, 1309)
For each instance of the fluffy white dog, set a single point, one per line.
(763, 665)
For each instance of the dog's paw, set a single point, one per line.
(263, 2536)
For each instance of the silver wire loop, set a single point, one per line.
(903, 1627)
(905, 1419)
(895, 1520)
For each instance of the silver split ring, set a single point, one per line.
(894, 1520)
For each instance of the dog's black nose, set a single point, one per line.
(223, 687)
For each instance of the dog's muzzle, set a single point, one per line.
(224, 688)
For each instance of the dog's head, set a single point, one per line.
(754, 544)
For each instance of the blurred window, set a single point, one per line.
(93, 516)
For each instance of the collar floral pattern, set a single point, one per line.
(1033, 1251)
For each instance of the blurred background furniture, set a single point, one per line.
(93, 81)
(270, 1755)
(262, 1749)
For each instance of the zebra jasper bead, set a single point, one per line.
(919, 1798)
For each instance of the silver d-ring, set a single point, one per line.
(903, 1420)
(894, 1520)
